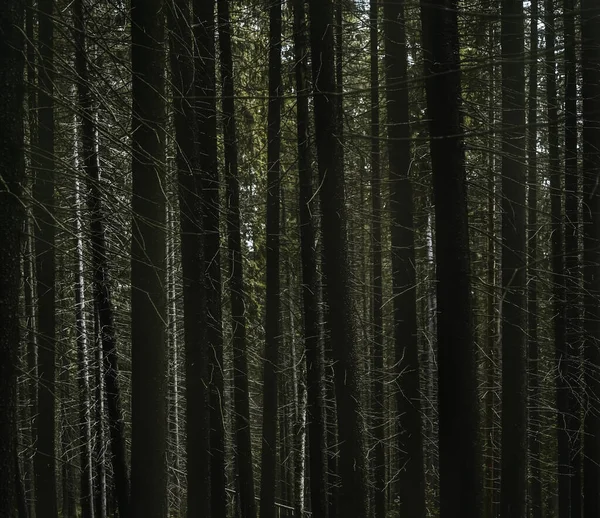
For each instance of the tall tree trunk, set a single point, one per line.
(86, 479)
(99, 428)
(45, 466)
(273, 292)
(87, 475)
(572, 273)
(12, 218)
(590, 66)
(513, 492)
(206, 117)
(353, 469)
(101, 282)
(461, 488)
(535, 403)
(192, 244)
(411, 481)
(558, 273)
(29, 267)
(315, 368)
(243, 441)
(377, 295)
(212, 254)
(148, 262)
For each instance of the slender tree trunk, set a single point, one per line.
(590, 66)
(558, 273)
(535, 403)
(273, 292)
(86, 479)
(377, 295)
(29, 269)
(212, 254)
(45, 464)
(12, 218)
(315, 368)
(187, 115)
(461, 488)
(243, 442)
(572, 317)
(353, 469)
(513, 493)
(99, 428)
(148, 262)
(102, 295)
(411, 481)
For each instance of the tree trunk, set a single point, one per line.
(572, 271)
(148, 261)
(377, 295)
(535, 403)
(12, 218)
(45, 467)
(461, 488)
(558, 273)
(187, 116)
(513, 492)
(590, 66)
(273, 294)
(353, 469)
(243, 442)
(411, 481)
(102, 295)
(315, 368)
(212, 267)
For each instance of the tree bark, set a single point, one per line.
(315, 368)
(353, 469)
(243, 442)
(45, 462)
(378, 399)
(148, 263)
(535, 403)
(461, 488)
(12, 219)
(513, 492)
(273, 291)
(100, 275)
(572, 268)
(411, 483)
(590, 66)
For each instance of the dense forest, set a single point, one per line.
(322, 258)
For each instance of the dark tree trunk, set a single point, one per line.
(242, 437)
(148, 263)
(411, 481)
(100, 427)
(558, 273)
(87, 486)
(513, 493)
(212, 266)
(102, 295)
(273, 295)
(29, 281)
(572, 271)
(535, 403)
(378, 398)
(12, 218)
(188, 111)
(461, 487)
(315, 369)
(590, 66)
(45, 467)
(353, 469)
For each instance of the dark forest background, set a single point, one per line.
(271, 259)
